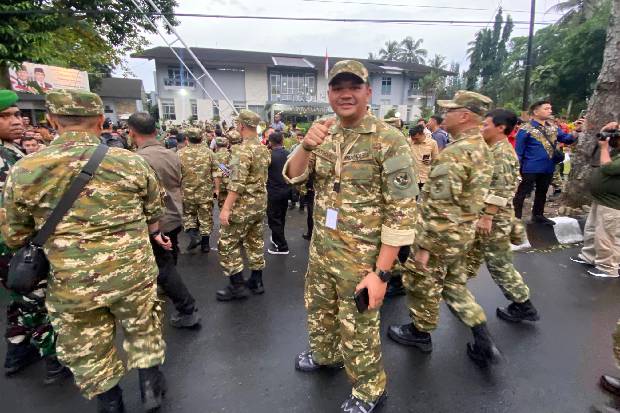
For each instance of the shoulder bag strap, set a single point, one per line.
(544, 133)
(69, 197)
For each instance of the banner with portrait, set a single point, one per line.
(40, 79)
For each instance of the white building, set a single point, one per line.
(268, 83)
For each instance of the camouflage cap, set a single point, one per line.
(234, 137)
(348, 66)
(477, 103)
(67, 102)
(247, 117)
(221, 141)
(193, 133)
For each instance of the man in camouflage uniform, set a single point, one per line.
(364, 212)
(222, 158)
(494, 227)
(29, 332)
(243, 212)
(102, 264)
(453, 197)
(197, 167)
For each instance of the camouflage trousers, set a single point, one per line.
(86, 339)
(338, 332)
(616, 337)
(495, 251)
(445, 277)
(198, 215)
(247, 234)
(28, 322)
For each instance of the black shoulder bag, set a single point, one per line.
(29, 266)
(558, 155)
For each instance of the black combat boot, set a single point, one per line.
(517, 312)
(255, 283)
(355, 405)
(111, 401)
(19, 356)
(54, 371)
(236, 290)
(194, 238)
(395, 286)
(204, 244)
(152, 388)
(409, 335)
(483, 350)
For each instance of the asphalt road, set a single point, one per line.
(241, 360)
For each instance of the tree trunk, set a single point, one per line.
(5, 82)
(604, 107)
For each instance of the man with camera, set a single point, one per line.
(601, 237)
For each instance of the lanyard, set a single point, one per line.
(339, 164)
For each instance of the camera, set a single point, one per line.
(612, 134)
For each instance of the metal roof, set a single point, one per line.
(214, 57)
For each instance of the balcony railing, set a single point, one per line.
(293, 98)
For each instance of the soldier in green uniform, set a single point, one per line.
(222, 158)
(453, 198)
(102, 265)
(243, 212)
(197, 167)
(364, 212)
(492, 243)
(29, 333)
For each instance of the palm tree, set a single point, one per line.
(576, 9)
(411, 50)
(391, 51)
(438, 62)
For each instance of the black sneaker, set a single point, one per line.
(278, 251)
(304, 362)
(580, 260)
(355, 405)
(180, 320)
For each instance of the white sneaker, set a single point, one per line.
(597, 272)
(277, 251)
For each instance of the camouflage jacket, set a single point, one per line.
(376, 199)
(504, 181)
(9, 155)
(100, 250)
(222, 158)
(197, 167)
(454, 194)
(249, 164)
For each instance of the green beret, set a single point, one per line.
(67, 102)
(7, 99)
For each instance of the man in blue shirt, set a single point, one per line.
(277, 124)
(440, 135)
(536, 143)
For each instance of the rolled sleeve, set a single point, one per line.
(240, 170)
(492, 199)
(304, 176)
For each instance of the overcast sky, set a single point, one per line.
(340, 39)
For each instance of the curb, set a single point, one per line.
(566, 230)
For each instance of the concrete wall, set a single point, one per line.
(256, 85)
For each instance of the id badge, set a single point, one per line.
(331, 218)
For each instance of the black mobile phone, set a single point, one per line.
(361, 300)
(426, 157)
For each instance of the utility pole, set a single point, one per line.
(528, 61)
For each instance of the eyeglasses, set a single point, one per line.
(7, 115)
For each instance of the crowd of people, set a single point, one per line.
(389, 213)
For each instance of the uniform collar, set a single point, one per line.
(12, 147)
(150, 142)
(467, 133)
(367, 125)
(77, 137)
(251, 141)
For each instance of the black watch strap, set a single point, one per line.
(384, 275)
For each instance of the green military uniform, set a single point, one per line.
(197, 168)
(374, 199)
(453, 197)
(27, 319)
(103, 269)
(248, 177)
(495, 249)
(222, 158)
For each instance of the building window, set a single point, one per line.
(168, 112)
(108, 109)
(386, 85)
(179, 76)
(292, 87)
(239, 104)
(414, 87)
(194, 109)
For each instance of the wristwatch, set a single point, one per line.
(384, 275)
